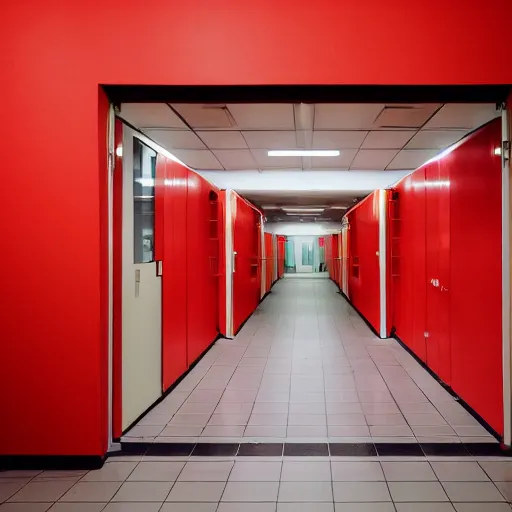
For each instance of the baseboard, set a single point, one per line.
(54, 462)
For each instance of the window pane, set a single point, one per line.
(307, 253)
(144, 168)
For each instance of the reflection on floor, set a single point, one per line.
(306, 368)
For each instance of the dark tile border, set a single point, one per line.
(56, 462)
(312, 449)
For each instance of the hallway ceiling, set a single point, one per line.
(228, 144)
(373, 137)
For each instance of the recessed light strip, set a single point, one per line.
(304, 152)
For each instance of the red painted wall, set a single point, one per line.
(281, 241)
(59, 53)
(247, 276)
(450, 229)
(363, 261)
(269, 261)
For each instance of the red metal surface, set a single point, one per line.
(233, 48)
(246, 278)
(450, 230)
(201, 269)
(363, 252)
(269, 261)
(281, 241)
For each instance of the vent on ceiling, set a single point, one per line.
(402, 116)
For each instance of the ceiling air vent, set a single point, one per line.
(206, 116)
(403, 116)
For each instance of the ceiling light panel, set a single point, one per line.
(205, 116)
(223, 139)
(346, 116)
(411, 159)
(265, 161)
(435, 139)
(332, 139)
(263, 116)
(304, 152)
(387, 139)
(412, 116)
(463, 115)
(151, 115)
(201, 159)
(373, 159)
(175, 139)
(235, 159)
(258, 139)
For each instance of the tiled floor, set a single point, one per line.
(306, 368)
(282, 484)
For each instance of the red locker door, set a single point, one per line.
(437, 264)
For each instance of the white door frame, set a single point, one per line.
(382, 195)
(298, 241)
(230, 260)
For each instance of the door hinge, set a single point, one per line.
(505, 150)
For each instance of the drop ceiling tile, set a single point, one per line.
(201, 159)
(205, 116)
(263, 116)
(463, 116)
(435, 139)
(342, 161)
(387, 139)
(346, 116)
(402, 116)
(151, 115)
(373, 159)
(270, 139)
(235, 159)
(332, 139)
(275, 162)
(175, 139)
(410, 159)
(223, 139)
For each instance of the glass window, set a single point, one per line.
(307, 253)
(144, 168)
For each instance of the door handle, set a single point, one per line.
(234, 261)
(159, 268)
(137, 282)
(434, 283)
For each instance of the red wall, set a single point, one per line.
(453, 233)
(269, 261)
(247, 276)
(363, 247)
(281, 241)
(59, 53)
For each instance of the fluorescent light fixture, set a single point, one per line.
(304, 152)
(303, 210)
(303, 214)
(270, 207)
(338, 207)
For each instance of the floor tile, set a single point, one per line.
(251, 491)
(223, 431)
(499, 471)
(211, 449)
(417, 491)
(45, 491)
(87, 507)
(143, 491)
(189, 507)
(346, 419)
(130, 507)
(7, 489)
(265, 431)
(424, 507)
(25, 507)
(408, 472)
(308, 408)
(246, 507)
(309, 492)
(365, 507)
(360, 492)
(92, 491)
(196, 492)
(206, 471)
(307, 419)
(459, 472)
(352, 449)
(305, 507)
(111, 472)
(315, 471)
(256, 471)
(357, 472)
(268, 419)
(181, 431)
(270, 408)
(482, 507)
(306, 449)
(472, 491)
(305, 431)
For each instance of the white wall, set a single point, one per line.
(302, 228)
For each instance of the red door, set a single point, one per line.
(437, 264)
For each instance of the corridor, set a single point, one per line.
(306, 368)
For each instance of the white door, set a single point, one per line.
(142, 288)
(304, 253)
